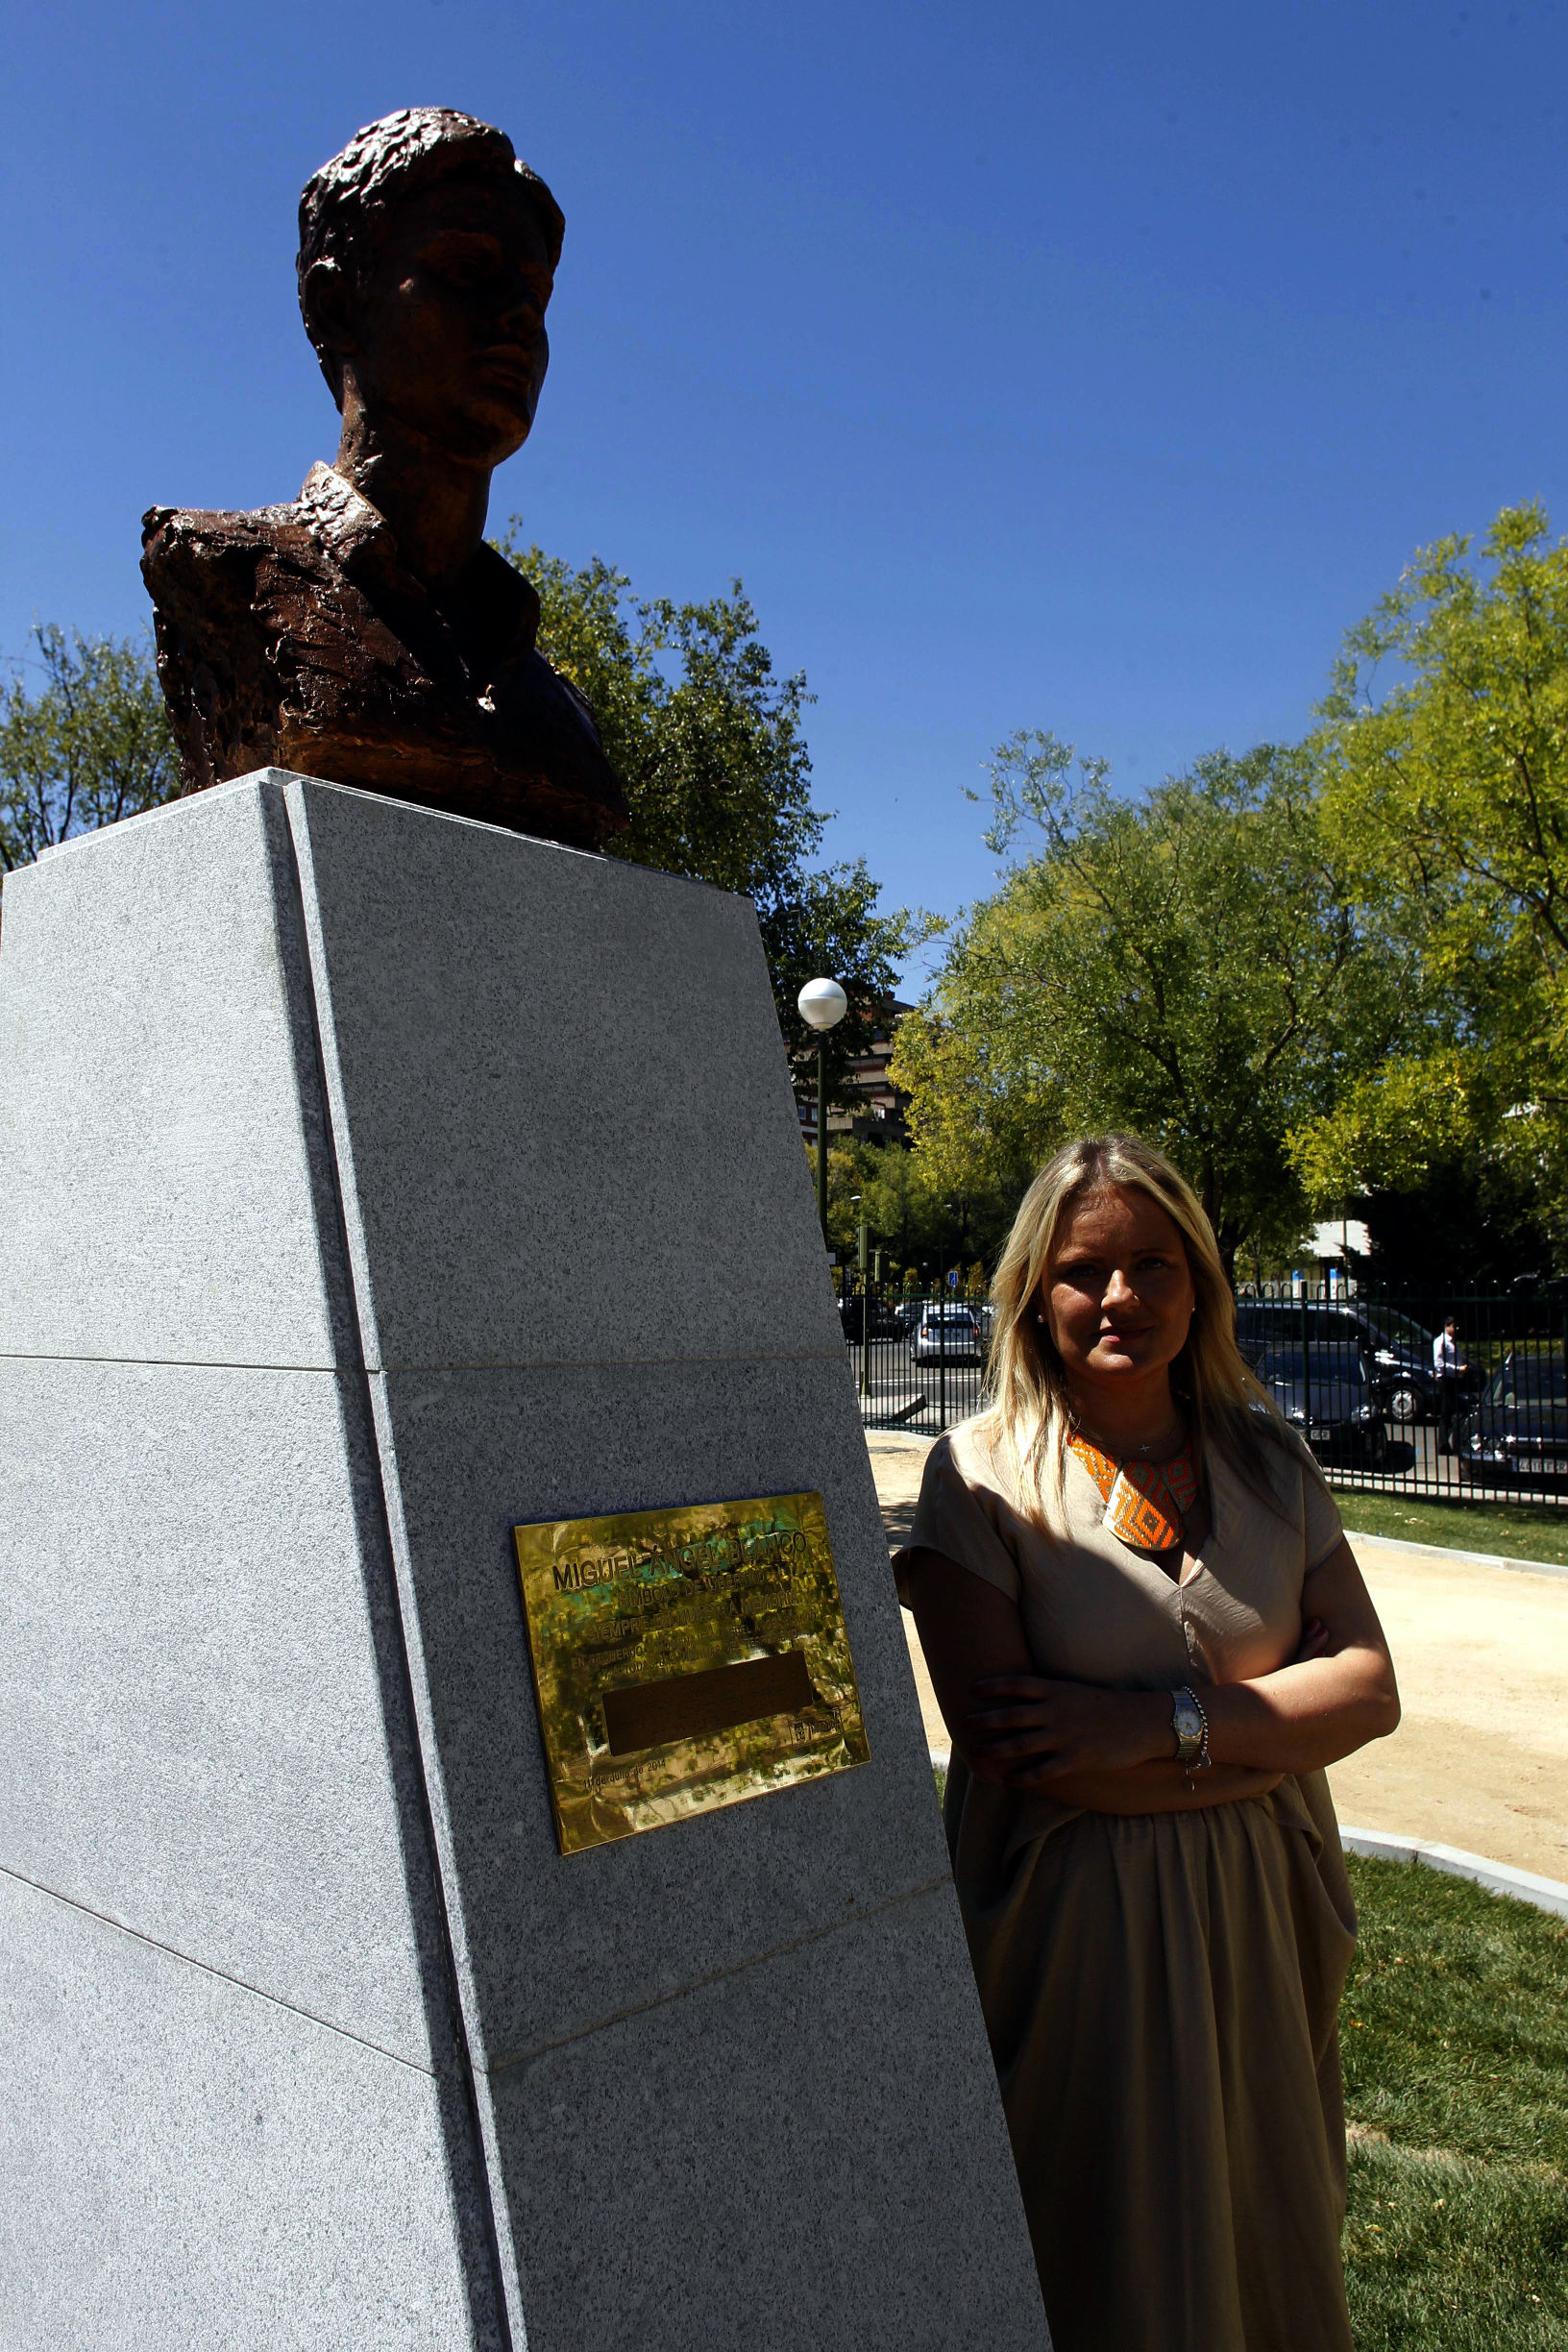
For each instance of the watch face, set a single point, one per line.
(1188, 1725)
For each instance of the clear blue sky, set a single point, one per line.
(1085, 367)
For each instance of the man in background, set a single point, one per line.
(1449, 1368)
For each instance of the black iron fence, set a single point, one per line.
(1483, 1415)
(920, 1358)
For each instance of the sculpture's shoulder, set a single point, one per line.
(190, 544)
(205, 574)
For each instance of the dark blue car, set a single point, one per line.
(1326, 1391)
(1518, 1433)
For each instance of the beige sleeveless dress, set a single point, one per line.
(1161, 1990)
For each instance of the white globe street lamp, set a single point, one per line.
(822, 1005)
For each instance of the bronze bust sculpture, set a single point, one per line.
(366, 633)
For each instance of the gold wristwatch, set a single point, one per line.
(1188, 1723)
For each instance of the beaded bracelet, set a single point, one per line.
(1203, 1759)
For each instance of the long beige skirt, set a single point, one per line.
(1161, 1996)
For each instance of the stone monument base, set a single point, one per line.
(376, 1181)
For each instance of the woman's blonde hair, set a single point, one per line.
(1030, 1413)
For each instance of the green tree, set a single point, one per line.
(85, 745)
(915, 1216)
(1188, 965)
(709, 743)
(887, 1185)
(1472, 1221)
(1443, 749)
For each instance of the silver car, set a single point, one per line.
(947, 1334)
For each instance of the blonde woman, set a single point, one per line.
(1148, 1636)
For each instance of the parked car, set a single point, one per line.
(1401, 1354)
(1327, 1391)
(1398, 1352)
(947, 1334)
(853, 1317)
(1518, 1433)
(1264, 1323)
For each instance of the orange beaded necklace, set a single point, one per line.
(1145, 1503)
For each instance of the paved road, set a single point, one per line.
(1480, 1760)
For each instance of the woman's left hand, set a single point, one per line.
(1033, 1729)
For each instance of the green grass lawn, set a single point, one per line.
(1521, 1530)
(1454, 2030)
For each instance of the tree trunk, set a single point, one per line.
(1228, 1238)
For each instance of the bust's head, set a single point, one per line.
(427, 252)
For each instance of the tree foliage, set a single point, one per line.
(1443, 751)
(1472, 1222)
(85, 745)
(1189, 965)
(915, 1218)
(709, 743)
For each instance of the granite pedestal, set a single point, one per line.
(375, 1181)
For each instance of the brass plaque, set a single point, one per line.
(684, 1659)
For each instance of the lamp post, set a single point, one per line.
(822, 1005)
(864, 1298)
(959, 1208)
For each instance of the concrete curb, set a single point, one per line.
(1497, 1877)
(1480, 1560)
